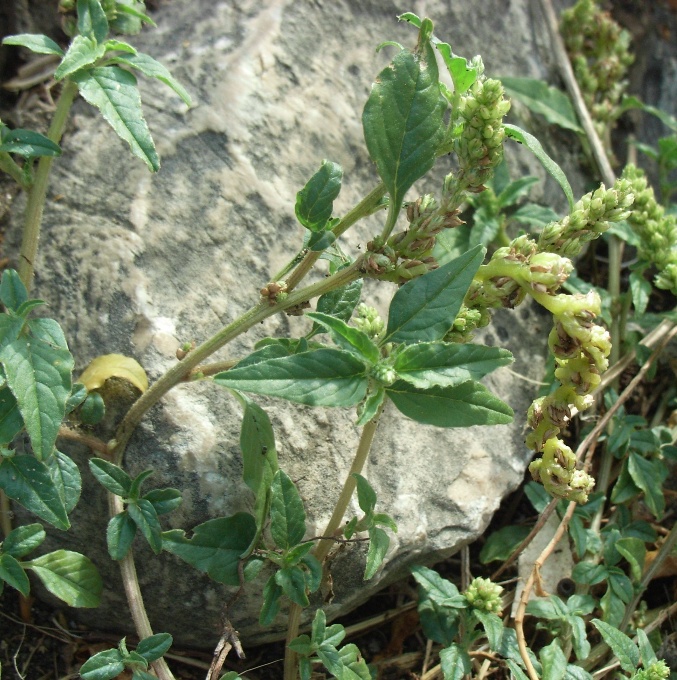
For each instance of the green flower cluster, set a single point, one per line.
(479, 146)
(368, 321)
(657, 231)
(600, 57)
(484, 595)
(580, 347)
(589, 218)
(658, 670)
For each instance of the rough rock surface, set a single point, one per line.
(138, 264)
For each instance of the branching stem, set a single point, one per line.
(324, 546)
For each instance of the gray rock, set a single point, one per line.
(138, 264)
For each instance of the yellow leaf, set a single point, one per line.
(114, 366)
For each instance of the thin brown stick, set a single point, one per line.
(229, 640)
(534, 578)
(543, 518)
(88, 440)
(567, 73)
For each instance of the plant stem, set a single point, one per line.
(8, 165)
(324, 546)
(363, 448)
(130, 583)
(364, 208)
(391, 219)
(250, 318)
(38, 192)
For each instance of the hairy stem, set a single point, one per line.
(241, 325)
(8, 165)
(324, 546)
(364, 208)
(38, 192)
(130, 583)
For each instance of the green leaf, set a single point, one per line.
(634, 551)
(313, 573)
(22, 540)
(354, 666)
(92, 410)
(82, 52)
(484, 227)
(535, 215)
(293, 584)
(215, 547)
(137, 482)
(272, 593)
(112, 477)
(462, 75)
(105, 665)
(622, 646)
(27, 144)
(516, 671)
(640, 289)
(455, 662)
(645, 474)
(340, 302)
(551, 608)
(329, 656)
(589, 574)
(138, 674)
(467, 404)
(445, 364)
(351, 339)
(613, 608)
(11, 422)
(155, 646)
(77, 396)
(40, 44)
(523, 137)
(12, 573)
(424, 309)
(28, 481)
(92, 20)
(301, 644)
(646, 650)
(554, 662)
(493, 627)
(323, 377)
(113, 91)
(379, 541)
(581, 644)
(318, 627)
(146, 519)
(164, 500)
(315, 202)
(287, 516)
(551, 103)
(370, 406)
(366, 496)
(70, 576)
(259, 456)
(66, 477)
(516, 190)
(439, 605)
(13, 293)
(154, 69)
(38, 369)
(403, 120)
(120, 534)
(501, 544)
